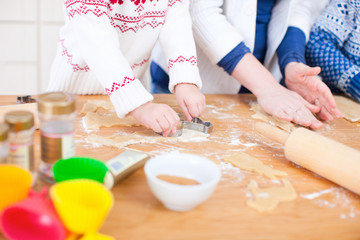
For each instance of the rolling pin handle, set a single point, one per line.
(272, 132)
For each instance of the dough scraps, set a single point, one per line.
(266, 199)
(94, 105)
(262, 115)
(349, 108)
(94, 120)
(146, 136)
(247, 162)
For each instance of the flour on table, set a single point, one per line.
(262, 115)
(146, 136)
(349, 108)
(266, 199)
(316, 194)
(247, 162)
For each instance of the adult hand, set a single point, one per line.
(290, 106)
(272, 97)
(304, 80)
(158, 117)
(190, 100)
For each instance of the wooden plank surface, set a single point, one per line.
(323, 210)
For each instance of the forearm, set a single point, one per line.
(177, 42)
(97, 40)
(254, 76)
(99, 45)
(292, 48)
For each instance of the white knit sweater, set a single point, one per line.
(220, 25)
(105, 46)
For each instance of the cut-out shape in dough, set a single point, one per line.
(247, 162)
(262, 115)
(146, 136)
(94, 120)
(93, 105)
(349, 108)
(266, 199)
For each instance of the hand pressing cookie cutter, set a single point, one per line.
(195, 124)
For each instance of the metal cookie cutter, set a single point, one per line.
(195, 124)
(25, 99)
(198, 125)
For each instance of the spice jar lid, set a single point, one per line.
(56, 103)
(4, 128)
(19, 120)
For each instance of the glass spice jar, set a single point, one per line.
(21, 139)
(4, 147)
(57, 129)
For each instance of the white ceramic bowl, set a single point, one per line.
(182, 197)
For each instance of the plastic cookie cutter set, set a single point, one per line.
(195, 124)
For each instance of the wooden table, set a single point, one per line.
(323, 210)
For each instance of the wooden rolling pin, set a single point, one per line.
(326, 157)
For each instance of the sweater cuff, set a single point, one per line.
(229, 62)
(184, 73)
(129, 97)
(292, 48)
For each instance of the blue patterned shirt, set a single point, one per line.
(334, 45)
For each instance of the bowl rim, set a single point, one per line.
(156, 180)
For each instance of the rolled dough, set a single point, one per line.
(93, 105)
(262, 115)
(94, 120)
(349, 108)
(247, 162)
(146, 136)
(266, 199)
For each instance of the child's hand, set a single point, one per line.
(190, 100)
(158, 117)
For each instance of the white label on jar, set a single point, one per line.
(68, 146)
(20, 156)
(4, 152)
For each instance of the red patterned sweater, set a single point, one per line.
(105, 46)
